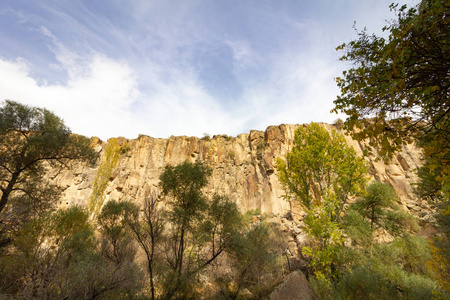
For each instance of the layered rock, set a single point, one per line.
(244, 168)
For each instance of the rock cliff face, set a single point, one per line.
(243, 168)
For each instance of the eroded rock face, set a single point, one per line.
(244, 168)
(294, 287)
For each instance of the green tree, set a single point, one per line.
(398, 269)
(41, 250)
(402, 82)
(183, 184)
(397, 90)
(430, 184)
(372, 270)
(434, 174)
(321, 169)
(30, 137)
(440, 246)
(325, 244)
(377, 209)
(368, 269)
(196, 230)
(254, 259)
(181, 233)
(116, 240)
(321, 172)
(117, 249)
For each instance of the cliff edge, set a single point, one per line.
(244, 168)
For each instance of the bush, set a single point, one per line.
(338, 123)
(206, 137)
(380, 281)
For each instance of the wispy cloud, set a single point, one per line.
(181, 68)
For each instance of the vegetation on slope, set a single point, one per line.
(49, 253)
(346, 258)
(362, 243)
(397, 93)
(104, 172)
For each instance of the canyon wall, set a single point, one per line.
(244, 168)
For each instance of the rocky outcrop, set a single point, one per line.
(244, 168)
(294, 287)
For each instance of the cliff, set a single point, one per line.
(243, 168)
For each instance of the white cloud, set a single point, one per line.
(140, 73)
(179, 105)
(105, 101)
(94, 103)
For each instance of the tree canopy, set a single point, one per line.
(398, 87)
(184, 233)
(346, 258)
(321, 172)
(321, 166)
(30, 136)
(397, 92)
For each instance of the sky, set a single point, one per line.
(122, 68)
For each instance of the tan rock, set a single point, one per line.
(244, 168)
(294, 287)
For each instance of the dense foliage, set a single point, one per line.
(324, 165)
(175, 238)
(370, 268)
(397, 92)
(30, 137)
(193, 235)
(347, 257)
(321, 172)
(401, 83)
(57, 255)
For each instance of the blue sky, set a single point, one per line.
(122, 68)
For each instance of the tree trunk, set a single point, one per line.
(7, 191)
(152, 285)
